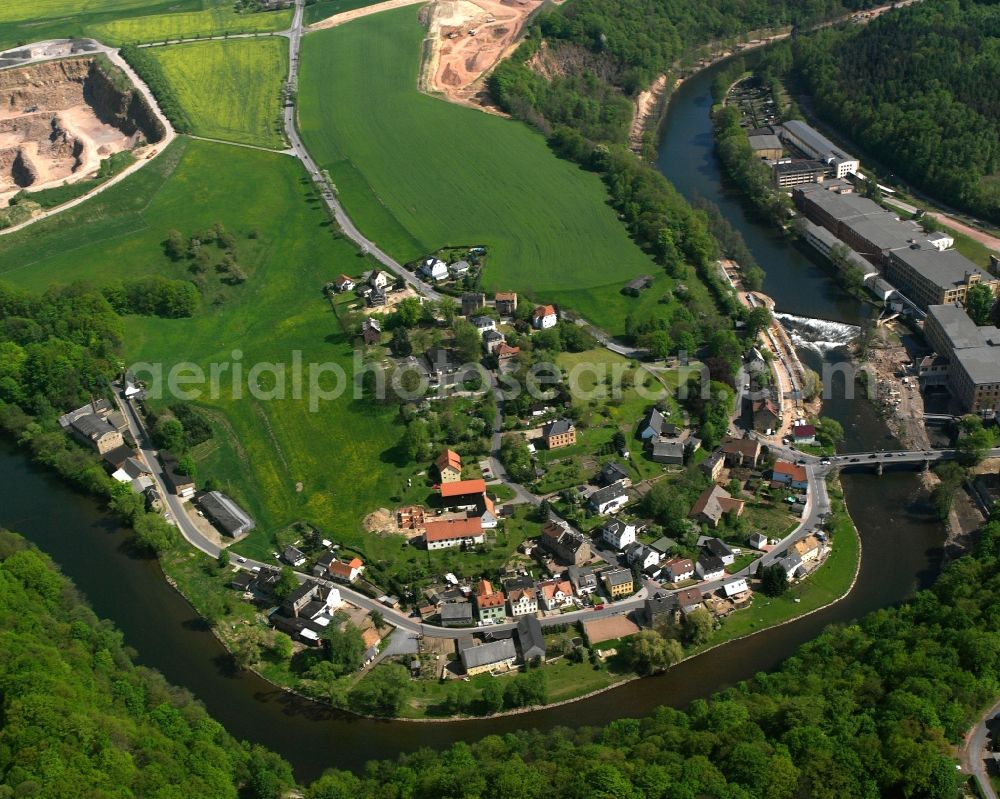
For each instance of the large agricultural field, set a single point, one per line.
(230, 89)
(217, 19)
(417, 173)
(345, 456)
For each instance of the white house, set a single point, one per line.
(643, 555)
(555, 594)
(758, 540)
(710, 567)
(617, 533)
(609, 499)
(721, 550)
(459, 269)
(735, 587)
(434, 269)
(379, 280)
(523, 601)
(483, 323)
(544, 317)
(679, 569)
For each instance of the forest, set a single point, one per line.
(81, 720)
(931, 111)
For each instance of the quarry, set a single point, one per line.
(60, 118)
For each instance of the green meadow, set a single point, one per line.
(417, 173)
(327, 8)
(230, 89)
(279, 459)
(127, 21)
(217, 19)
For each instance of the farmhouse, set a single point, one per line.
(560, 433)
(544, 317)
(651, 426)
(713, 503)
(347, 571)
(445, 533)
(488, 657)
(462, 494)
(310, 601)
(344, 283)
(670, 453)
(449, 466)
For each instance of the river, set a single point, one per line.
(167, 635)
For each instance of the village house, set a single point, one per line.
(584, 580)
(506, 303)
(310, 601)
(92, 426)
(489, 656)
(758, 540)
(618, 583)
(434, 269)
(804, 434)
(735, 588)
(459, 269)
(558, 433)
(506, 353)
(322, 566)
(544, 317)
(669, 453)
(492, 339)
(617, 533)
(612, 472)
(720, 549)
(642, 555)
(791, 562)
(379, 280)
(792, 474)
(462, 494)
(483, 323)
(456, 614)
(567, 546)
(530, 639)
(490, 604)
(555, 594)
(808, 549)
(664, 545)
(344, 283)
(293, 556)
(741, 451)
(472, 301)
(449, 466)
(714, 464)
(347, 571)
(765, 416)
(130, 469)
(522, 601)
(377, 298)
(689, 600)
(223, 512)
(713, 503)
(679, 569)
(710, 567)
(445, 533)
(371, 331)
(609, 499)
(652, 425)
(181, 484)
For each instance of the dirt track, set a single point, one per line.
(347, 16)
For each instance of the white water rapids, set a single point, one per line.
(818, 334)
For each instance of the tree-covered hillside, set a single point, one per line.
(919, 89)
(79, 720)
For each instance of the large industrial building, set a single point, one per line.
(973, 358)
(930, 277)
(816, 146)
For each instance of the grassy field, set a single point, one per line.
(327, 8)
(346, 455)
(218, 19)
(230, 89)
(417, 173)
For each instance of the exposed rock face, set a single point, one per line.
(59, 118)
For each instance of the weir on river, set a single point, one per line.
(901, 546)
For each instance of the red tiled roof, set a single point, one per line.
(345, 569)
(448, 529)
(507, 351)
(449, 458)
(793, 470)
(506, 296)
(544, 310)
(803, 431)
(462, 487)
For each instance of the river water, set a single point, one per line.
(901, 548)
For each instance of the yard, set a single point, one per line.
(416, 173)
(230, 89)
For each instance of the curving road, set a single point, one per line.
(972, 756)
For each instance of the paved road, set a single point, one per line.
(326, 191)
(973, 755)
